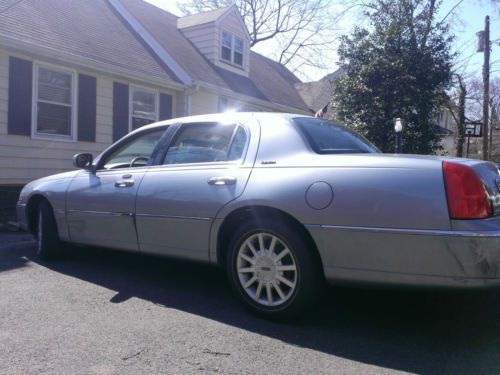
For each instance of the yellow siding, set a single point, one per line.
(203, 103)
(204, 38)
(23, 159)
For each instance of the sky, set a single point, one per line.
(469, 19)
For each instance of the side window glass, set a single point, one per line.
(136, 153)
(238, 144)
(206, 143)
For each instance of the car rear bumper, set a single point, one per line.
(409, 257)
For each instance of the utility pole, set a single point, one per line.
(486, 85)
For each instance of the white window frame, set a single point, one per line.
(233, 50)
(74, 103)
(131, 102)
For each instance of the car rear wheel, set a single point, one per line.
(48, 243)
(272, 269)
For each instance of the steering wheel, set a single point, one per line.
(139, 158)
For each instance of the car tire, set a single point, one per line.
(48, 243)
(279, 280)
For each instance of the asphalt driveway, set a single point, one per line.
(97, 311)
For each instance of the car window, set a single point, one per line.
(138, 151)
(327, 137)
(206, 143)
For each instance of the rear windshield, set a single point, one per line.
(327, 137)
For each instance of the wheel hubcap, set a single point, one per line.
(266, 269)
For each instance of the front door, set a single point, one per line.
(203, 169)
(100, 206)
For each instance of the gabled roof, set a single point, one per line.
(93, 31)
(203, 17)
(87, 29)
(317, 94)
(267, 80)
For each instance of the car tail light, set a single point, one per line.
(466, 195)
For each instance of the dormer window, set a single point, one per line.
(231, 48)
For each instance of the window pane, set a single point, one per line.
(143, 104)
(137, 122)
(53, 119)
(226, 54)
(238, 145)
(238, 59)
(238, 45)
(54, 86)
(139, 147)
(327, 137)
(201, 143)
(226, 39)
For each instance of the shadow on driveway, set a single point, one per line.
(421, 332)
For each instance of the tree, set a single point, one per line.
(400, 67)
(300, 30)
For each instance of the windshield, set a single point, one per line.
(327, 137)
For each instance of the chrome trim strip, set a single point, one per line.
(417, 232)
(174, 217)
(101, 213)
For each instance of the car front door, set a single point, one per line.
(206, 166)
(100, 206)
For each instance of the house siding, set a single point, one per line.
(204, 39)
(23, 158)
(204, 102)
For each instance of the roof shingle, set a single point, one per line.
(87, 28)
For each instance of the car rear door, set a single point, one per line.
(100, 206)
(206, 166)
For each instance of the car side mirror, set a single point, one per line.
(84, 161)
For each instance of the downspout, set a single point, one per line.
(188, 96)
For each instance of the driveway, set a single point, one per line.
(97, 311)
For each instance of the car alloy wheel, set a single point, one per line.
(273, 269)
(267, 269)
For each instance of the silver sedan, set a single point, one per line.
(283, 202)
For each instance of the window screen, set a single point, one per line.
(54, 102)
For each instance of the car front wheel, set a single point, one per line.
(48, 243)
(272, 269)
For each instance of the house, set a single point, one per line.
(76, 76)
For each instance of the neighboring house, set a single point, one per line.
(317, 94)
(77, 75)
(446, 127)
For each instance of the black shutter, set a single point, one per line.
(165, 107)
(120, 110)
(20, 93)
(87, 94)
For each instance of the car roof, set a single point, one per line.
(222, 117)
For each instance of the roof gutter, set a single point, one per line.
(162, 54)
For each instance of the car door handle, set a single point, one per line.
(124, 183)
(223, 180)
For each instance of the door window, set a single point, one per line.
(135, 153)
(207, 143)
